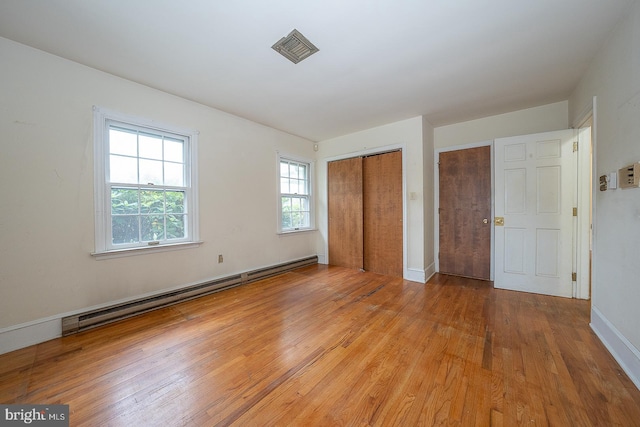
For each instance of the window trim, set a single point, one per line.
(311, 177)
(103, 250)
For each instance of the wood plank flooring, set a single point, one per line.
(332, 346)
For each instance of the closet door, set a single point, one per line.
(345, 212)
(365, 213)
(382, 210)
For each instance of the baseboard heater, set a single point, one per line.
(102, 316)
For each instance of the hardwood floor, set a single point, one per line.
(333, 346)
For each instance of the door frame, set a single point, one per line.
(406, 273)
(587, 191)
(436, 200)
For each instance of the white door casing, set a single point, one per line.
(535, 182)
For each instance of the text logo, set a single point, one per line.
(34, 415)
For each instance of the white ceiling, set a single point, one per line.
(380, 61)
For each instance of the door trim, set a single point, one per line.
(407, 273)
(586, 202)
(436, 198)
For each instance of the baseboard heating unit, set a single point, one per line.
(91, 319)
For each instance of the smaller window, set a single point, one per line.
(295, 201)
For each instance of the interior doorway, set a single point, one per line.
(464, 212)
(535, 180)
(584, 238)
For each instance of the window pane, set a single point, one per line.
(123, 142)
(123, 169)
(175, 202)
(284, 185)
(302, 171)
(124, 201)
(150, 172)
(295, 220)
(304, 220)
(286, 204)
(174, 150)
(174, 174)
(302, 187)
(151, 201)
(295, 204)
(293, 170)
(150, 146)
(124, 229)
(152, 227)
(284, 169)
(175, 226)
(304, 204)
(286, 220)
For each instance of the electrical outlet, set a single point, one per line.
(220, 259)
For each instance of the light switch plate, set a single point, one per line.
(613, 180)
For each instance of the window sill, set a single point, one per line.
(302, 230)
(119, 253)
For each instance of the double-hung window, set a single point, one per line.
(145, 184)
(295, 200)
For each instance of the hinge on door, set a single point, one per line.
(575, 146)
(575, 211)
(574, 277)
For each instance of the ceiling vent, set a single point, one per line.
(295, 47)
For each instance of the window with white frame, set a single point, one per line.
(295, 201)
(145, 183)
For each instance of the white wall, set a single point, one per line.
(46, 189)
(407, 134)
(614, 78)
(522, 122)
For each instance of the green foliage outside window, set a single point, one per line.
(147, 215)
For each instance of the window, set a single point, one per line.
(295, 207)
(144, 184)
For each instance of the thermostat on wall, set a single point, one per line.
(629, 176)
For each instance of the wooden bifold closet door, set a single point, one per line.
(344, 179)
(365, 213)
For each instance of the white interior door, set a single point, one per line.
(535, 191)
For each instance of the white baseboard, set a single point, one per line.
(26, 334)
(420, 276)
(430, 271)
(414, 275)
(620, 348)
(322, 259)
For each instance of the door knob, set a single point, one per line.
(499, 221)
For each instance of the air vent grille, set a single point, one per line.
(295, 47)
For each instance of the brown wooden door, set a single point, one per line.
(365, 213)
(465, 212)
(344, 181)
(382, 201)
